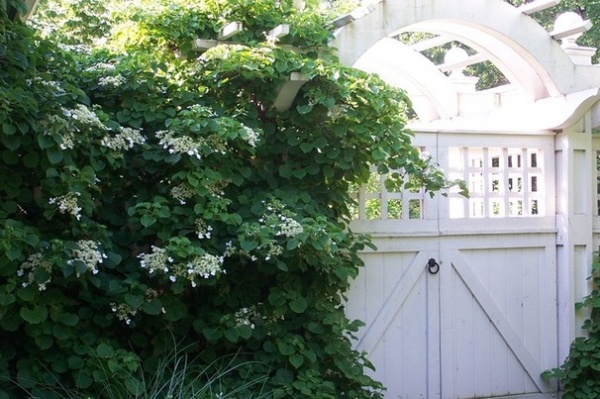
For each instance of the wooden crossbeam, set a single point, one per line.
(537, 5)
(430, 43)
(571, 31)
(279, 31)
(354, 15)
(203, 44)
(229, 30)
(474, 59)
(289, 90)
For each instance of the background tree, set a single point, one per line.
(152, 194)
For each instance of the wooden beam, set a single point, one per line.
(289, 90)
(203, 44)
(354, 15)
(474, 59)
(537, 5)
(279, 31)
(572, 31)
(430, 43)
(229, 30)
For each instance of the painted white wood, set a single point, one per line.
(393, 302)
(485, 326)
(497, 317)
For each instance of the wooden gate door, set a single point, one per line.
(485, 324)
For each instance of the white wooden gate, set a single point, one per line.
(486, 324)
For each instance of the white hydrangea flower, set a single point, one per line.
(178, 145)
(204, 266)
(112, 81)
(84, 116)
(182, 192)
(289, 227)
(89, 254)
(157, 260)
(126, 139)
(252, 136)
(203, 230)
(101, 67)
(34, 262)
(123, 311)
(67, 204)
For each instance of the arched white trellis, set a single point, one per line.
(515, 256)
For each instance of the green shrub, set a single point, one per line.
(579, 376)
(149, 188)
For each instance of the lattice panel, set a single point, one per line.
(375, 202)
(503, 182)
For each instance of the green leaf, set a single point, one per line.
(36, 315)
(135, 386)
(245, 331)
(296, 360)
(68, 319)
(75, 362)
(147, 220)
(31, 159)
(6, 299)
(248, 245)
(44, 341)
(55, 155)
(285, 348)
(212, 334)
(306, 147)
(10, 157)
(28, 294)
(135, 301)
(9, 129)
(104, 351)
(304, 109)
(153, 307)
(298, 305)
(232, 335)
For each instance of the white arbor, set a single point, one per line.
(514, 257)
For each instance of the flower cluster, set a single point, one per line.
(231, 250)
(123, 311)
(101, 67)
(216, 188)
(157, 260)
(289, 227)
(54, 124)
(182, 192)
(67, 204)
(127, 138)
(178, 145)
(84, 116)
(273, 250)
(111, 81)
(204, 266)
(50, 84)
(246, 316)
(202, 229)
(31, 266)
(89, 254)
(281, 220)
(252, 136)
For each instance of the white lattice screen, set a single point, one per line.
(503, 182)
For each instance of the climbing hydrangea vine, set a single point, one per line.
(151, 193)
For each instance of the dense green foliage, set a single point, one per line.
(580, 374)
(151, 193)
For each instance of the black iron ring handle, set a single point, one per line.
(433, 266)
